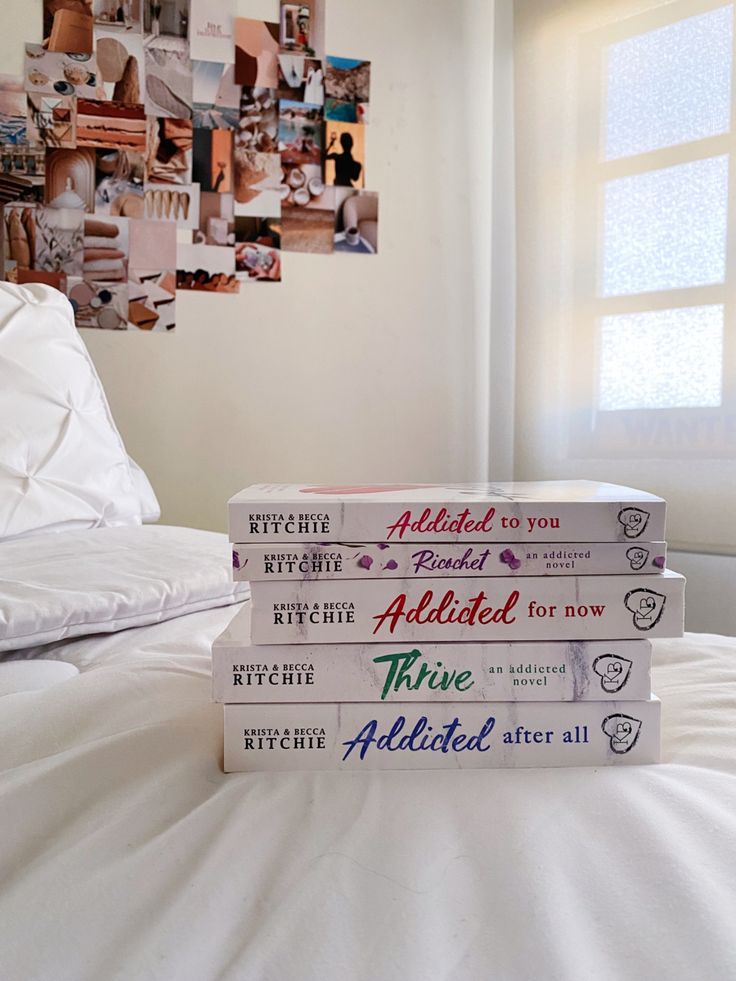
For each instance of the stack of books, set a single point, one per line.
(472, 626)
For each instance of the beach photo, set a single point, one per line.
(347, 89)
(215, 96)
(300, 133)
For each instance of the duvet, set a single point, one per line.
(128, 854)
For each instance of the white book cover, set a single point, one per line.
(212, 31)
(347, 611)
(554, 671)
(423, 561)
(547, 511)
(441, 735)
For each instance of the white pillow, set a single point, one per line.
(150, 508)
(73, 583)
(62, 461)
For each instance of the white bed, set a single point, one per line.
(128, 854)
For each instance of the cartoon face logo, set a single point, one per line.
(622, 730)
(647, 607)
(634, 521)
(637, 556)
(613, 671)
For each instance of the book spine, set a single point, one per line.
(502, 521)
(562, 672)
(533, 608)
(442, 735)
(307, 561)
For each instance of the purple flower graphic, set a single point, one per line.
(391, 564)
(507, 556)
(658, 561)
(515, 564)
(236, 561)
(365, 562)
(382, 545)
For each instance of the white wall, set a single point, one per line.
(354, 368)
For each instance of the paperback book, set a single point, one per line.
(347, 611)
(564, 671)
(548, 511)
(421, 561)
(440, 735)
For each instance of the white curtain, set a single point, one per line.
(626, 252)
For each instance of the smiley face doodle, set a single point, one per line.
(613, 671)
(647, 607)
(634, 521)
(637, 556)
(622, 730)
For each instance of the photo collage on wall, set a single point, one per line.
(152, 146)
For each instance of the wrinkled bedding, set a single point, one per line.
(128, 854)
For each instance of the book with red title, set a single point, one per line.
(345, 611)
(546, 511)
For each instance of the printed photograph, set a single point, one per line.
(258, 178)
(152, 299)
(211, 31)
(106, 244)
(52, 120)
(356, 221)
(258, 250)
(345, 154)
(302, 28)
(216, 97)
(19, 238)
(122, 15)
(168, 70)
(67, 26)
(258, 126)
(111, 125)
(57, 73)
(103, 306)
(207, 268)
(301, 79)
(173, 202)
(305, 187)
(152, 244)
(301, 130)
(119, 182)
(22, 164)
(216, 220)
(58, 240)
(70, 179)
(212, 160)
(256, 53)
(307, 229)
(120, 65)
(347, 89)
(167, 18)
(169, 151)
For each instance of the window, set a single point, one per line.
(657, 169)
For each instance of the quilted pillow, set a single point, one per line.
(62, 461)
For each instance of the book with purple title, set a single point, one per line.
(431, 672)
(547, 511)
(379, 560)
(345, 611)
(440, 735)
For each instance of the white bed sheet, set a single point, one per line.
(128, 854)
